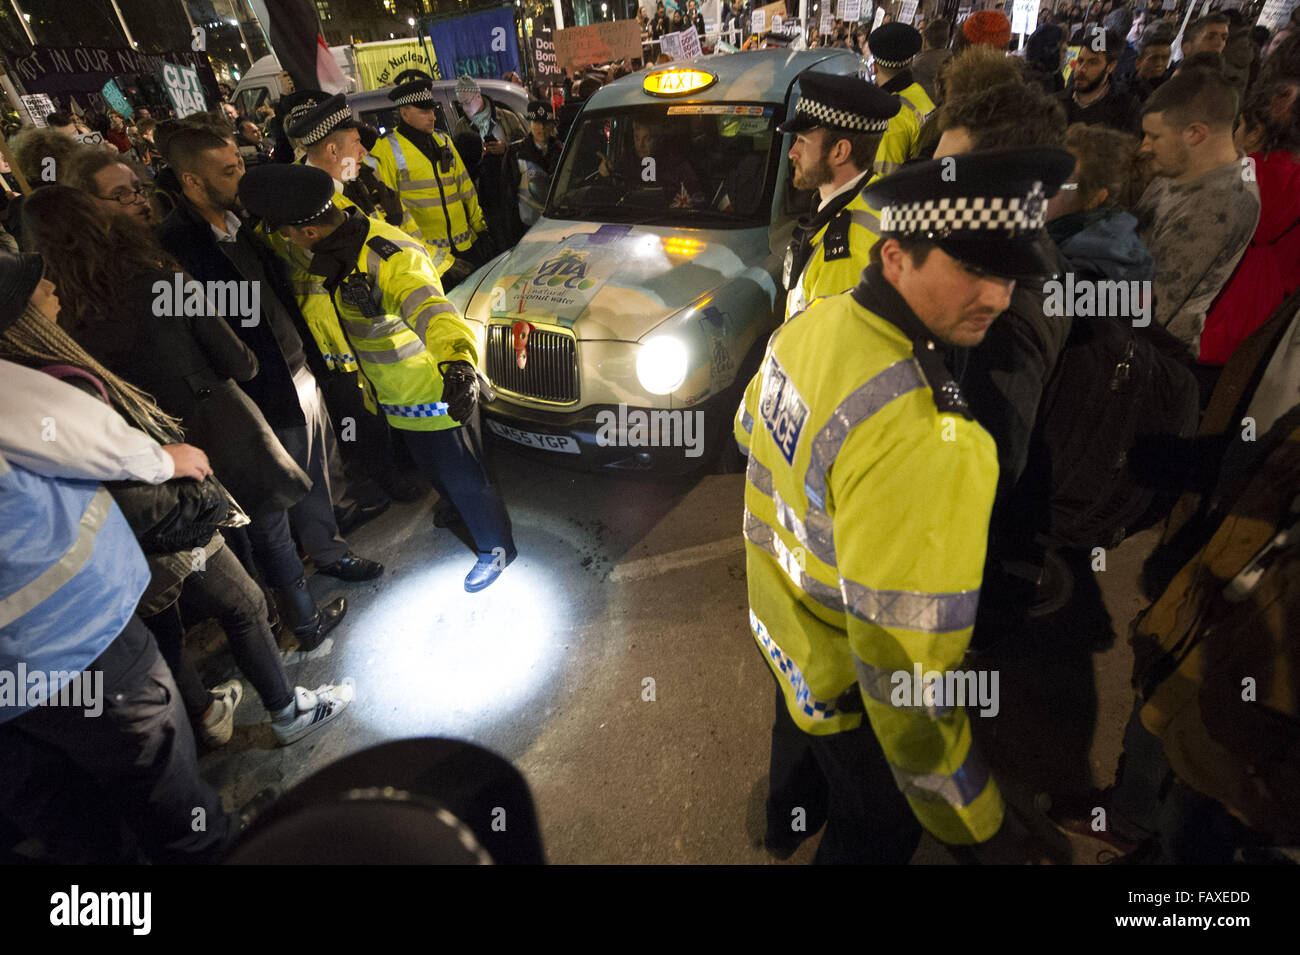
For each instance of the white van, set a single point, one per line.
(261, 86)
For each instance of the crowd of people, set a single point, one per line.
(217, 442)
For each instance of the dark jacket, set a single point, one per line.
(1004, 376)
(1102, 244)
(190, 364)
(277, 338)
(1118, 109)
(492, 181)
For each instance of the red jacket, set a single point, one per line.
(1269, 270)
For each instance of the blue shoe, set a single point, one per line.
(487, 569)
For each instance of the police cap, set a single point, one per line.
(986, 209)
(286, 194)
(846, 103)
(413, 93)
(894, 44)
(317, 122)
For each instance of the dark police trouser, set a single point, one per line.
(453, 462)
(843, 781)
(69, 778)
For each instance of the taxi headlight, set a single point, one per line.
(661, 365)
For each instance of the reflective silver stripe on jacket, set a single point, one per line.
(759, 534)
(911, 609)
(809, 704)
(818, 538)
(868, 220)
(402, 172)
(32, 595)
(377, 329)
(391, 356)
(898, 379)
(958, 790)
(435, 202)
(879, 685)
(746, 421)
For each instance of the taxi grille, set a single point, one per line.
(552, 371)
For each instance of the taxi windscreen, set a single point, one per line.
(693, 165)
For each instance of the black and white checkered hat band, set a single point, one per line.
(329, 202)
(417, 98)
(326, 126)
(968, 214)
(893, 64)
(839, 118)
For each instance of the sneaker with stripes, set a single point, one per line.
(311, 709)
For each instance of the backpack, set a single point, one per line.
(1111, 388)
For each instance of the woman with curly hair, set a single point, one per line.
(110, 326)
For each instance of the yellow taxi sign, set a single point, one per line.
(677, 81)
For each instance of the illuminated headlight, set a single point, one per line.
(661, 365)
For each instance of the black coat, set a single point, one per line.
(277, 339)
(190, 364)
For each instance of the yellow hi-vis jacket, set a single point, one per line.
(313, 300)
(444, 205)
(902, 139)
(841, 250)
(404, 330)
(867, 502)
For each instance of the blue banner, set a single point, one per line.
(480, 45)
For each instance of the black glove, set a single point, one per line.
(484, 247)
(459, 389)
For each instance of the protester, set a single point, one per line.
(1091, 96)
(1270, 269)
(498, 129)
(1154, 50)
(1197, 216)
(113, 184)
(1043, 58)
(987, 28)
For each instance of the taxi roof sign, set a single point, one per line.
(677, 81)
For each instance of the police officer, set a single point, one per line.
(333, 140)
(837, 125)
(894, 45)
(867, 504)
(425, 169)
(417, 356)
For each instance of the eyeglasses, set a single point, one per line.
(126, 197)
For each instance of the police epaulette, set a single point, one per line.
(835, 245)
(947, 395)
(386, 248)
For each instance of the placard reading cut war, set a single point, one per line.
(183, 87)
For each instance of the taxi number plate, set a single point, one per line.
(546, 442)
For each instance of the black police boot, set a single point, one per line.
(299, 613)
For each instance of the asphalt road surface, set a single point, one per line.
(612, 665)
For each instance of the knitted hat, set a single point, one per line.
(466, 86)
(988, 27)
